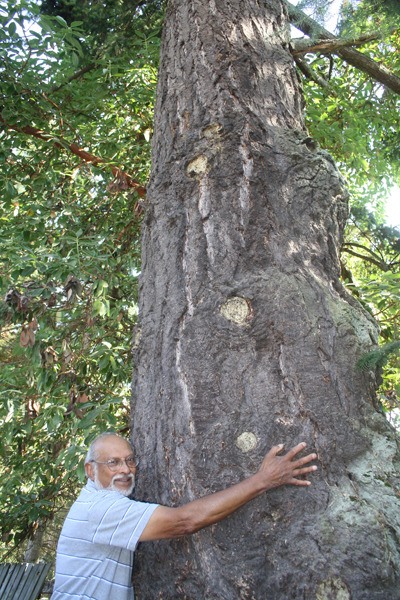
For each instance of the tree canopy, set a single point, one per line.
(77, 91)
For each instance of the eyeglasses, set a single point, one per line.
(116, 463)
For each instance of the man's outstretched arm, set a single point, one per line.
(275, 471)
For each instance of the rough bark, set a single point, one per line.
(246, 335)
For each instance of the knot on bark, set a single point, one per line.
(238, 310)
(247, 441)
(198, 166)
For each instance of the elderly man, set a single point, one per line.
(104, 526)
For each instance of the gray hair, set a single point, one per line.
(92, 454)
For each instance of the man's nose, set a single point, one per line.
(123, 467)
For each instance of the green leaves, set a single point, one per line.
(378, 358)
(69, 244)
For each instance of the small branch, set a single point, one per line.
(76, 75)
(122, 180)
(124, 230)
(362, 62)
(302, 45)
(368, 258)
(387, 265)
(311, 74)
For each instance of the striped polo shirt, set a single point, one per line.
(96, 546)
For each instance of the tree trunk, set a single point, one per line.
(35, 543)
(247, 338)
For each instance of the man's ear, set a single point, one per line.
(89, 470)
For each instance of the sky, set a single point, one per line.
(393, 208)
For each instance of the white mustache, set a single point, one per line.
(124, 478)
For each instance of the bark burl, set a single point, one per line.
(246, 337)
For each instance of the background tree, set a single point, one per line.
(247, 336)
(77, 87)
(69, 242)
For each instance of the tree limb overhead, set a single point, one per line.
(362, 62)
(304, 45)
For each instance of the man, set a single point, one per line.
(103, 527)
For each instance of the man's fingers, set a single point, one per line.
(299, 472)
(292, 453)
(305, 459)
(305, 470)
(303, 482)
(274, 451)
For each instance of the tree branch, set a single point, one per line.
(302, 45)
(311, 74)
(362, 62)
(76, 75)
(366, 258)
(369, 255)
(123, 181)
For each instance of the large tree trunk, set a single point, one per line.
(247, 338)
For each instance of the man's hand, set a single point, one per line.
(285, 470)
(275, 471)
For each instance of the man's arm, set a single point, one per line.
(274, 471)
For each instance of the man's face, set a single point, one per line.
(123, 479)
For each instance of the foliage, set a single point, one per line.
(378, 357)
(74, 124)
(77, 82)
